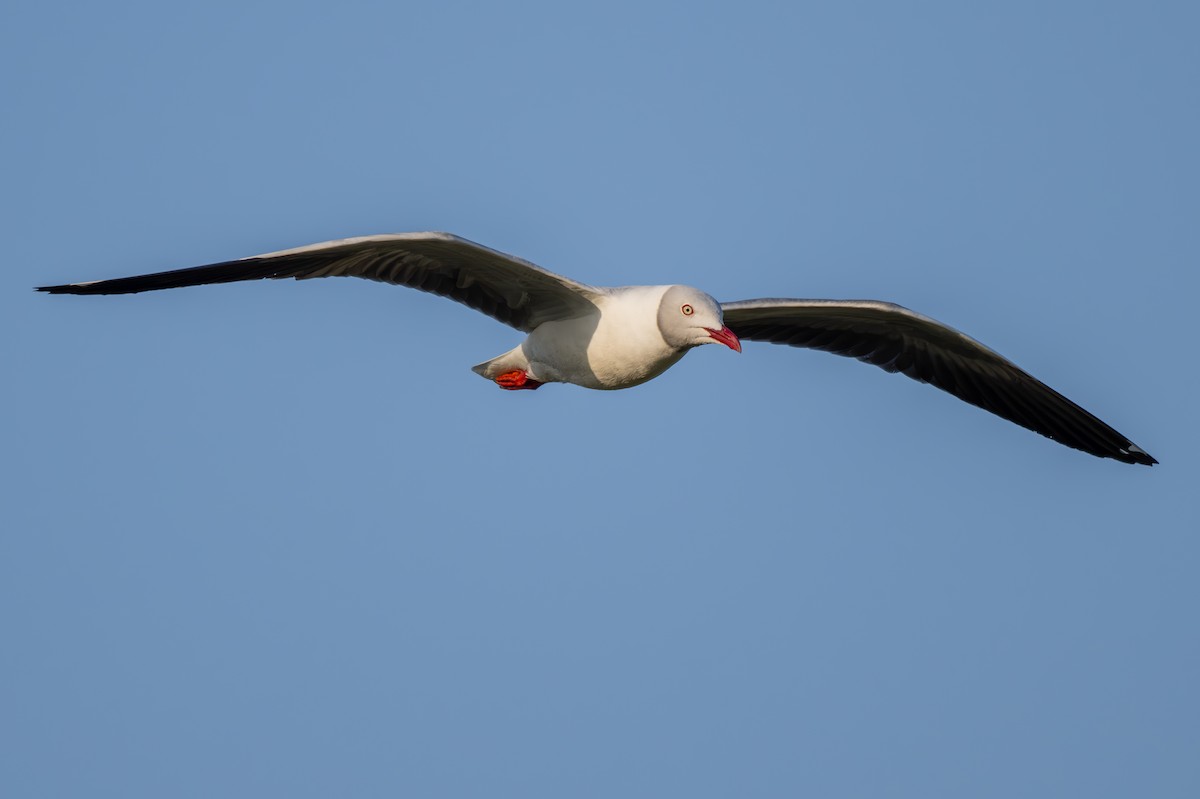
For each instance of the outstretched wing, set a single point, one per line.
(506, 288)
(899, 340)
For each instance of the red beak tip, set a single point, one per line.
(727, 337)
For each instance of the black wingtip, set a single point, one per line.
(1138, 455)
(96, 287)
(1130, 452)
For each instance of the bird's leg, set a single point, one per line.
(515, 380)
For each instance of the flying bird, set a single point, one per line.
(613, 338)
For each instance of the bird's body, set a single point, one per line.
(614, 338)
(617, 345)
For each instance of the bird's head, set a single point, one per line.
(688, 317)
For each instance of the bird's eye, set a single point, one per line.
(688, 310)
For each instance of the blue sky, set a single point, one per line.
(277, 539)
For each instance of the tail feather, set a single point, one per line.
(510, 361)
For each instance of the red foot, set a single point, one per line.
(514, 381)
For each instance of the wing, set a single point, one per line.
(506, 288)
(899, 340)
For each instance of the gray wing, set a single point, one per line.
(899, 340)
(506, 288)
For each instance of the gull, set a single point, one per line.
(614, 338)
